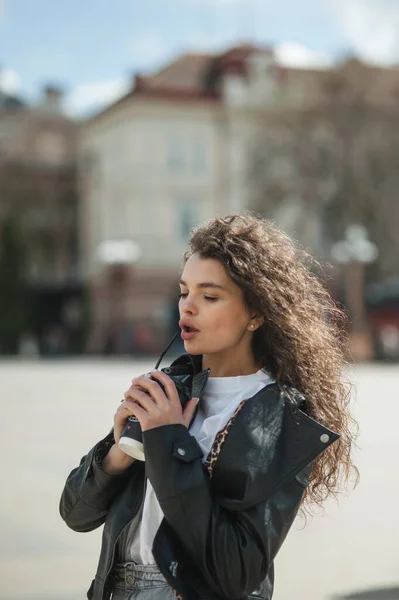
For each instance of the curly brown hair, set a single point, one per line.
(302, 342)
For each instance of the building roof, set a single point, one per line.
(196, 77)
(186, 73)
(198, 72)
(192, 76)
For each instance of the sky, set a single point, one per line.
(92, 48)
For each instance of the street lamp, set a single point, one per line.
(118, 252)
(354, 252)
(118, 258)
(355, 247)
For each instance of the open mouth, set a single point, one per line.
(189, 329)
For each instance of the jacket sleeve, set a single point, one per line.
(89, 491)
(232, 549)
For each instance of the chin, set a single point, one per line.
(194, 347)
(191, 348)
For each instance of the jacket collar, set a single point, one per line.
(189, 364)
(273, 434)
(272, 442)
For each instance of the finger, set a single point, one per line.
(135, 381)
(138, 411)
(136, 387)
(126, 407)
(144, 400)
(148, 375)
(169, 386)
(189, 410)
(151, 387)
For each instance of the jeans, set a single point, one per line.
(140, 582)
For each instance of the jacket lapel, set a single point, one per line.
(272, 440)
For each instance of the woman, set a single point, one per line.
(267, 429)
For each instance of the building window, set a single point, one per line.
(234, 90)
(187, 217)
(175, 154)
(199, 155)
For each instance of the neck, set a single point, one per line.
(229, 364)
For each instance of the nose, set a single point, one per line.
(187, 307)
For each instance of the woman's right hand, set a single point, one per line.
(124, 411)
(117, 461)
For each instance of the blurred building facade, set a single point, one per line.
(217, 134)
(167, 156)
(38, 191)
(332, 159)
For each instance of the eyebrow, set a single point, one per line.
(206, 284)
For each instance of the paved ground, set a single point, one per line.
(53, 412)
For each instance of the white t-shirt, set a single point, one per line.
(220, 398)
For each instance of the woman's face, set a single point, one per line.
(213, 304)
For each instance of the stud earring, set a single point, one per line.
(252, 326)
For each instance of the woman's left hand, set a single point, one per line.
(153, 407)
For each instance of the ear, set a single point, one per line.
(255, 324)
(257, 320)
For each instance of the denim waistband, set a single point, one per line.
(138, 576)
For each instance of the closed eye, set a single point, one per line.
(184, 295)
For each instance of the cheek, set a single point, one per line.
(227, 320)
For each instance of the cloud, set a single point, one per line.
(291, 54)
(88, 97)
(368, 27)
(147, 49)
(371, 28)
(10, 81)
(211, 43)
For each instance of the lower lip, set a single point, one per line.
(187, 335)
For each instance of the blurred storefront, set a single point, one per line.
(39, 196)
(383, 313)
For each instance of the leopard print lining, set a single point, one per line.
(177, 596)
(220, 438)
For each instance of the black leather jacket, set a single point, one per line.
(225, 519)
